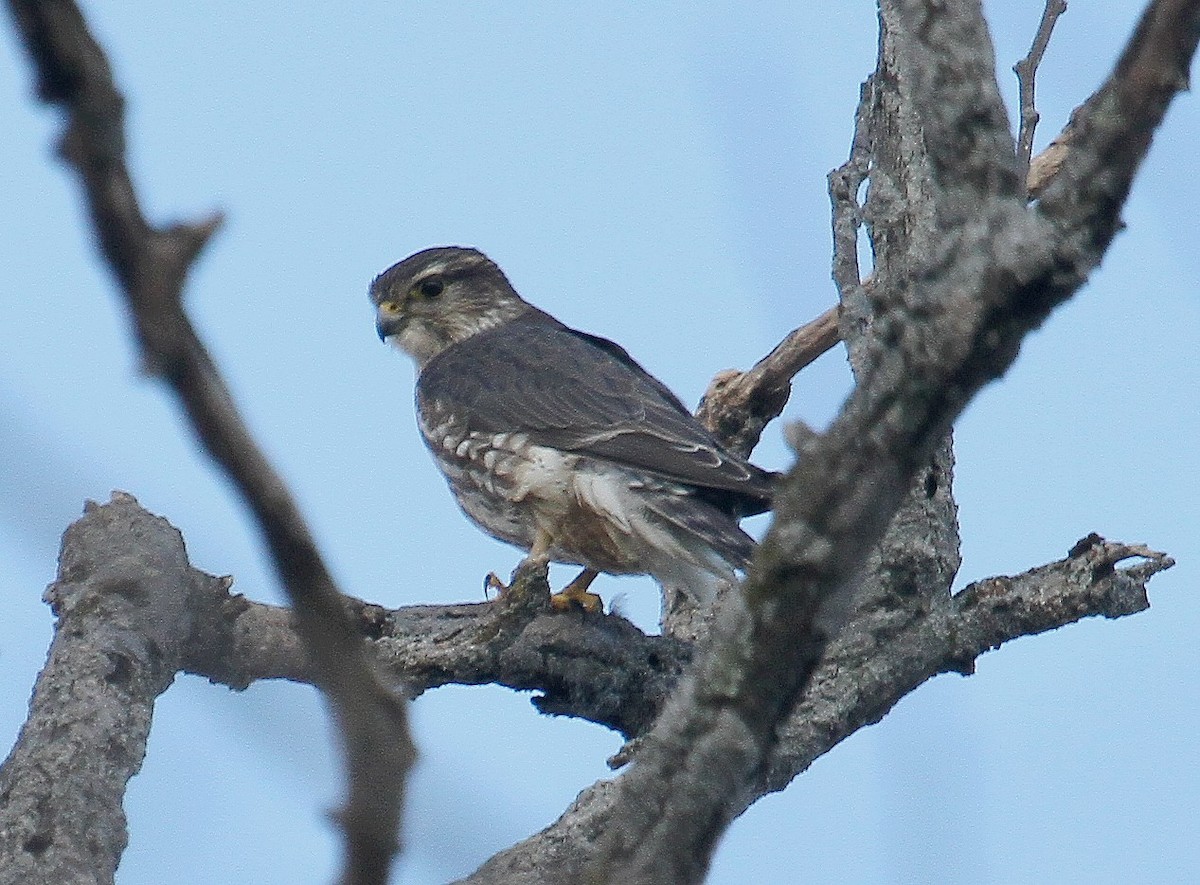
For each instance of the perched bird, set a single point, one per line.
(556, 441)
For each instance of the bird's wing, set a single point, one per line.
(579, 393)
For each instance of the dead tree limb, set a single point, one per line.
(125, 611)
(133, 610)
(985, 272)
(151, 265)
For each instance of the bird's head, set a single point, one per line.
(439, 297)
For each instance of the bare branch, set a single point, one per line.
(738, 405)
(875, 661)
(993, 273)
(593, 666)
(1156, 59)
(603, 669)
(126, 601)
(129, 571)
(151, 265)
(1026, 71)
(872, 664)
(844, 185)
(1112, 130)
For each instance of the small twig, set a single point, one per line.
(844, 184)
(151, 264)
(1026, 71)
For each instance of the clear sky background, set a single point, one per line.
(654, 173)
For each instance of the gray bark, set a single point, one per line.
(127, 602)
(846, 607)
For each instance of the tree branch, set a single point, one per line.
(738, 405)
(126, 600)
(595, 667)
(599, 668)
(151, 265)
(993, 274)
(1026, 71)
(844, 184)
(873, 662)
(876, 661)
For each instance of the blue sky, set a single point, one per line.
(654, 174)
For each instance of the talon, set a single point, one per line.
(492, 582)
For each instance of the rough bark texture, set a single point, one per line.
(875, 661)
(846, 607)
(974, 271)
(133, 611)
(125, 599)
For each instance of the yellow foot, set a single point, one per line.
(568, 599)
(576, 594)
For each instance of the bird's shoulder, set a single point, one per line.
(536, 368)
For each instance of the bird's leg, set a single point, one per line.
(576, 594)
(540, 551)
(573, 595)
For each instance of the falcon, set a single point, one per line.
(557, 441)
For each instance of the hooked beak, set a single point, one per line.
(388, 326)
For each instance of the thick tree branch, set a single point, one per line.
(599, 668)
(993, 273)
(151, 265)
(872, 663)
(596, 667)
(695, 769)
(126, 601)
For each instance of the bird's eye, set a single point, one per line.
(431, 288)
